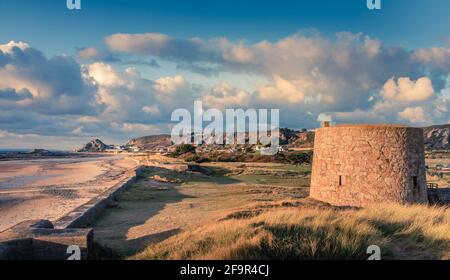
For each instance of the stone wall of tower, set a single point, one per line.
(357, 165)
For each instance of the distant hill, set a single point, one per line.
(437, 137)
(151, 142)
(93, 146)
(296, 139)
(288, 136)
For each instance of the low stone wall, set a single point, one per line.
(43, 240)
(39, 240)
(86, 214)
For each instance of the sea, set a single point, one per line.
(24, 150)
(13, 151)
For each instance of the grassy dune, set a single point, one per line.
(402, 232)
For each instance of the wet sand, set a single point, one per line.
(50, 188)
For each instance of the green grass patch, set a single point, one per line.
(137, 193)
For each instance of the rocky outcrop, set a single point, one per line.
(151, 142)
(437, 137)
(93, 146)
(40, 153)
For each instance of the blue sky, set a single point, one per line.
(116, 69)
(416, 23)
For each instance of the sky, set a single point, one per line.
(117, 69)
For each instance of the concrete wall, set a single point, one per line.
(44, 240)
(86, 214)
(38, 240)
(365, 164)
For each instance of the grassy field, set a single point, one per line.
(257, 211)
(444, 180)
(308, 232)
(152, 211)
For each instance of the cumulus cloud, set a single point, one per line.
(406, 90)
(305, 72)
(92, 54)
(8, 47)
(283, 91)
(30, 81)
(224, 95)
(164, 46)
(126, 97)
(170, 85)
(104, 74)
(58, 98)
(347, 78)
(239, 53)
(414, 115)
(150, 109)
(436, 57)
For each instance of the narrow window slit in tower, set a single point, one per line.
(341, 181)
(415, 185)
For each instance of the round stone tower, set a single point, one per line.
(357, 165)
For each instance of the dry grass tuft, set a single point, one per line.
(402, 232)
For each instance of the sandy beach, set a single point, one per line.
(50, 188)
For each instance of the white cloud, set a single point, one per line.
(347, 78)
(414, 115)
(283, 91)
(89, 53)
(373, 47)
(143, 129)
(224, 95)
(139, 43)
(104, 74)
(78, 130)
(170, 84)
(436, 57)
(305, 73)
(239, 53)
(150, 109)
(407, 90)
(8, 47)
(5, 133)
(48, 85)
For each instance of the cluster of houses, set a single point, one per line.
(121, 148)
(235, 148)
(165, 145)
(442, 169)
(135, 149)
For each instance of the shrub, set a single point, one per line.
(183, 149)
(197, 159)
(300, 158)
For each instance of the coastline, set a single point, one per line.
(50, 187)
